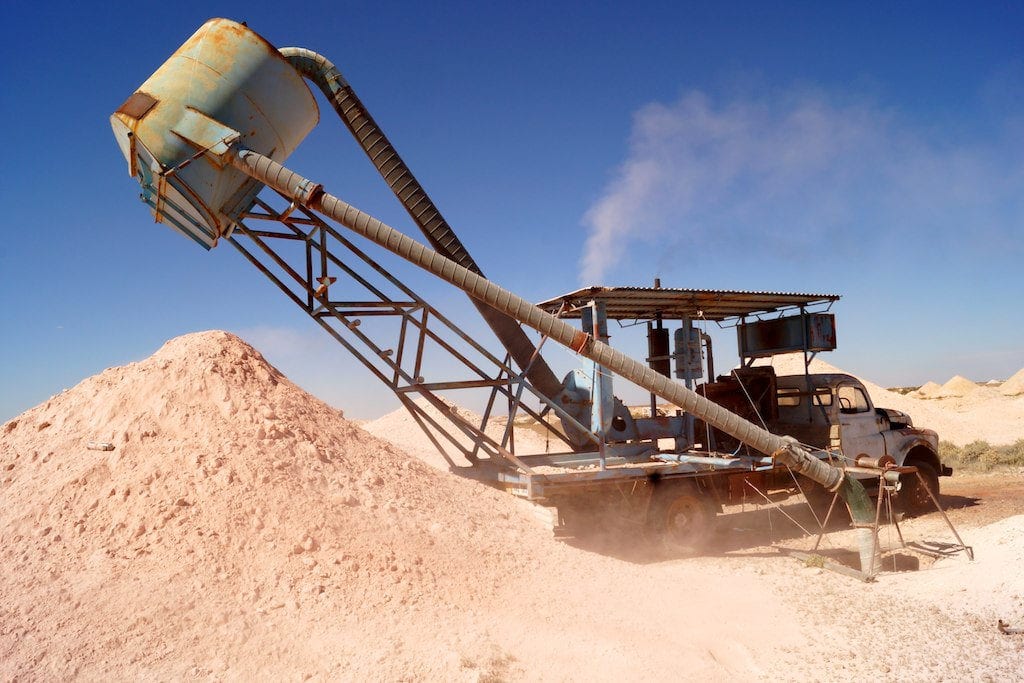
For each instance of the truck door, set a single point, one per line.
(860, 428)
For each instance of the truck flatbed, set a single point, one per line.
(561, 474)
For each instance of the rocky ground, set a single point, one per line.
(241, 528)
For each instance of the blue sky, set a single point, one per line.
(873, 152)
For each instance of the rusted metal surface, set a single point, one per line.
(223, 80)
(137, 105)
(398, 363)
(877, 462)
(808, 332)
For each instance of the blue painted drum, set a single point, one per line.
(224, 83)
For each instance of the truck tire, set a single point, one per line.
(681, 517)
(914, 498)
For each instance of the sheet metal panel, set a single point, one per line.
(643, 303)
(810, 332)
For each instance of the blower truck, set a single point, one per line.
(206, 137)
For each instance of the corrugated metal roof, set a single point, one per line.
(644, 303)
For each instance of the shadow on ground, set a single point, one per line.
(764, 531)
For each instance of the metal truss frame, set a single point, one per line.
(402, 361)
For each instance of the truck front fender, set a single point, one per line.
(910, 444)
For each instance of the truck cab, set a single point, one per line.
(835, 411)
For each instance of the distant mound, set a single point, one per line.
(929, 390)
(1013, 386)
(957, 386)
(402, 429)
(793, 364)
(236, 519)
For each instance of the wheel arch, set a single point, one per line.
(922, 452)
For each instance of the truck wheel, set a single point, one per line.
(682, 517)
(914, 498)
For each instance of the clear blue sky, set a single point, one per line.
(877, 153)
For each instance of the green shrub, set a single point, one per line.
(982, 456)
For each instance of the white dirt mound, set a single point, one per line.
(401, 428)
(958, 386)
(232, 501)
(1013, 386)
(242, 529)
(929, 389)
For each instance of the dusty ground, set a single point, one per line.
(241, 528)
